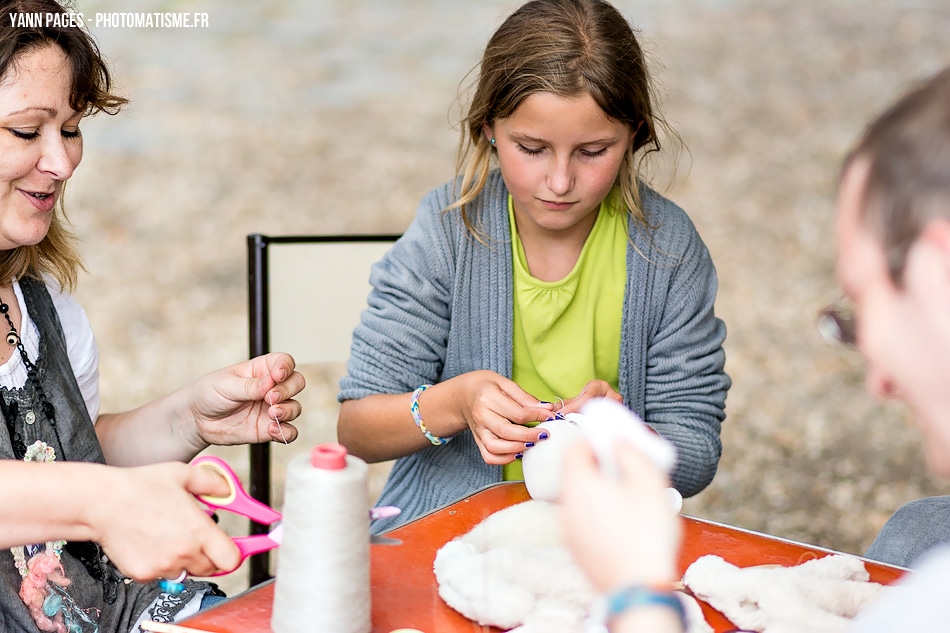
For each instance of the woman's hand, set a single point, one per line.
(593, 389)
(150, 525)
(496, 409)
(246, 403)
(249, 402)
(623, 530)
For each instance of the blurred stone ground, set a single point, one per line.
(324, 117)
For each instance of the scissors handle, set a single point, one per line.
(250, 545)
(237, 500)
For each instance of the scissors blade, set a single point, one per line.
(277, 535)
(376, 539)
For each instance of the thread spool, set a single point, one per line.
(323, 579)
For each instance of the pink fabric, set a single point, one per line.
(43, 567)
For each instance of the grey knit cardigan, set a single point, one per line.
(440, 306)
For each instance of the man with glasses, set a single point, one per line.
(893, 237)
(894, 264)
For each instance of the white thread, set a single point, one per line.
(323, 579)
(279, 427)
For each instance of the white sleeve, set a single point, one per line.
(81, 347)
(917, 602)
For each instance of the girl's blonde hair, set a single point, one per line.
(56, 254)
(567, 48)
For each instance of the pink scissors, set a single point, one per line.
(239, 502)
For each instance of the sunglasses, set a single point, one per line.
(838, 325)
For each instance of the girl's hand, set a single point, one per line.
(593, 389)
(249, 402)
(622, 531)
(150, 525)
(496, 409)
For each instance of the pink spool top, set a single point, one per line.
(329, 456)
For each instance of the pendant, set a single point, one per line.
(40, 451)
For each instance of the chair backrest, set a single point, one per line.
(305, 296)
(307, 292)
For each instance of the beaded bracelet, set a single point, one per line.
(417, 418)
(635, 596)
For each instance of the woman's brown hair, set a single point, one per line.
(90, 93)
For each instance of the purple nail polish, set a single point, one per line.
(528, 444)
(543, 435)
(519, 455)
(543, 402)
(550, 419)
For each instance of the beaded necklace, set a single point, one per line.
(11, 411)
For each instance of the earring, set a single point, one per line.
(491, 140)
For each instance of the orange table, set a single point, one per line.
(404, 590)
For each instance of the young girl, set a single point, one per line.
(521, 292)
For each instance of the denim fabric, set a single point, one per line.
(209, 600)
(913, 530)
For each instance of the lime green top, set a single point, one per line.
(567, 332)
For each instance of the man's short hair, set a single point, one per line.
(907, 149)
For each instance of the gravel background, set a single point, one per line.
(324, 116)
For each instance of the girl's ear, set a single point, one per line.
(487, 131)
(641, 135)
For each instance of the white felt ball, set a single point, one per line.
(543, 462)
(676, 499)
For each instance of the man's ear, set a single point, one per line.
(926, 279)
(928, 262)
(935, 239)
